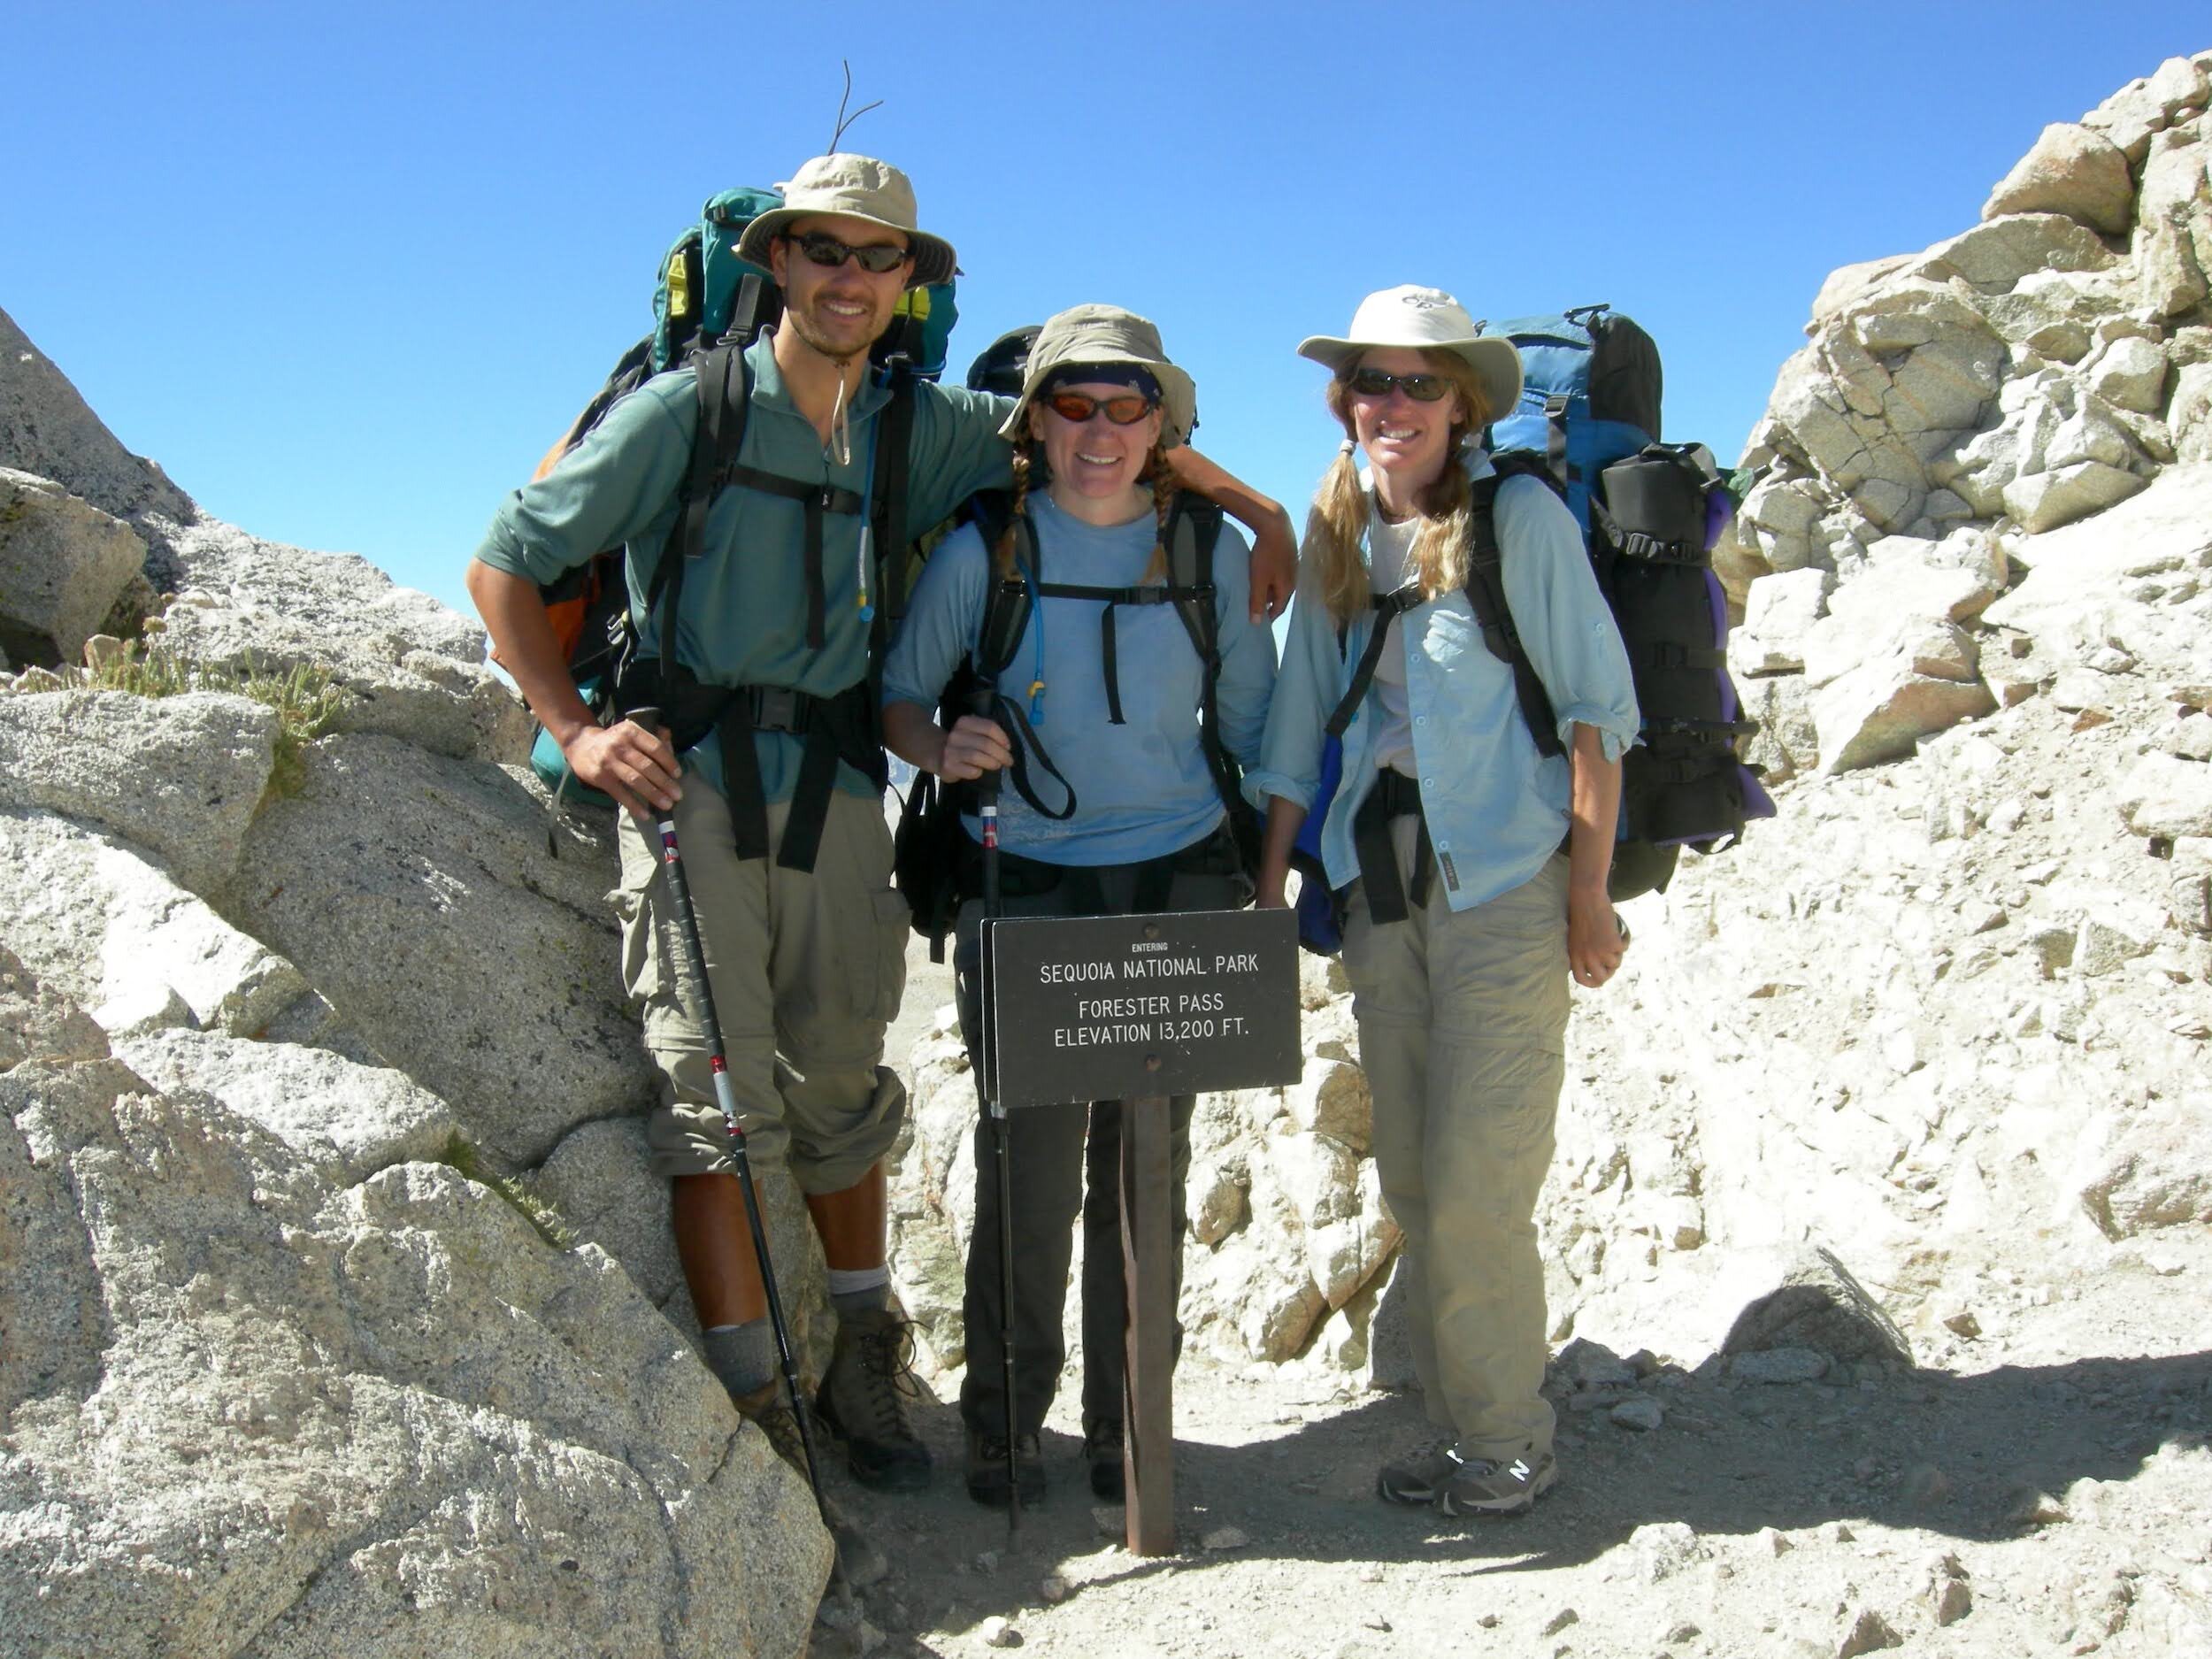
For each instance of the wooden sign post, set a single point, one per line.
(1138, 1008)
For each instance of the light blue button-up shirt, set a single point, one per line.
(1496, 808)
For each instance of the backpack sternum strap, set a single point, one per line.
(815, 499)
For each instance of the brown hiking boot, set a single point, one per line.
(765, 1410)
(862, 1401)
(859, 1563)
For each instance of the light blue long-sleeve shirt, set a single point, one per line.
(1496, 808)
(1143, 787)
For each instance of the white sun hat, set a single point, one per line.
(1428, 320)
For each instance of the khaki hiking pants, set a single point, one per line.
(1462, 1021)
(806, 970)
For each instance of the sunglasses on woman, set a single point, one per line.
(1124, 409)
(1422, 388)
(877, 259)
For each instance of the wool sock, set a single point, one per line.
(859, 1289)
(743, 1356)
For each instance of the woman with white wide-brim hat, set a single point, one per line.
(1468, 870)
(1108, 678)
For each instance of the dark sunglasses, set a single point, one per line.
(877, 259)
(1124, 409)
(1422, 388)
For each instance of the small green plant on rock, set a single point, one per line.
(306, 700)
(466, 1162)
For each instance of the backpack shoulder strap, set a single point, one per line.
(887, 513)
(1006, 603)
(725, 395)
(1485, 598)
(1193, 532)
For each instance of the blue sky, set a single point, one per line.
(346, 272)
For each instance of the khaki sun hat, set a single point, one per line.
(1102, 335)
(1431, 320)
(858, 187)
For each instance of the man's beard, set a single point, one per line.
(802, 325)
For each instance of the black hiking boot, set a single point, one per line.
(862, 1401)
(987, 1471)
(1101, 1455)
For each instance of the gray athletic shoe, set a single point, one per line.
(1483, 1486)
(1414, 1476)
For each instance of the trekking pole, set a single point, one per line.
(692, 963)
(987, 809)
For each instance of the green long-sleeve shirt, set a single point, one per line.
(744, 604)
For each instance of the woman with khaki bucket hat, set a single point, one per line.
(1112, 687)
(1468, 870)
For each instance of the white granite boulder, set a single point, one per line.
(350, 1119)
(46, 429)
(179, 776)
(418, 894)
(2072, 170)
(104, 925)
(415, 669)
(251, 1409)
(63, 565)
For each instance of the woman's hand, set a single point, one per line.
(974, 747)
(1596, 939)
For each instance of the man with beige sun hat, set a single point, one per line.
(775, 768)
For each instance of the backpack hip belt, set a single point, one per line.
(841, 726)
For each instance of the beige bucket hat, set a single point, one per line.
(1105, 333)
(1431, 320)
(859, 187)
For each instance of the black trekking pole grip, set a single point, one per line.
(692, 969)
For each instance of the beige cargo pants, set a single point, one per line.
(1463, 1019)
(806, 970)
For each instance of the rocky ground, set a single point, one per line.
(2048, 1490)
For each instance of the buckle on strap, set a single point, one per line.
(779, 708)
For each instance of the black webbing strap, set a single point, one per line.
(1667, 654)
(830, 729)
(1555, 440)
(1386, 605)
(724, 382)
(1204, 627)
(1025, 742)
(1485, 598)
(816, 499)
(894, 436)
(1111, 598)
(1393, 796)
